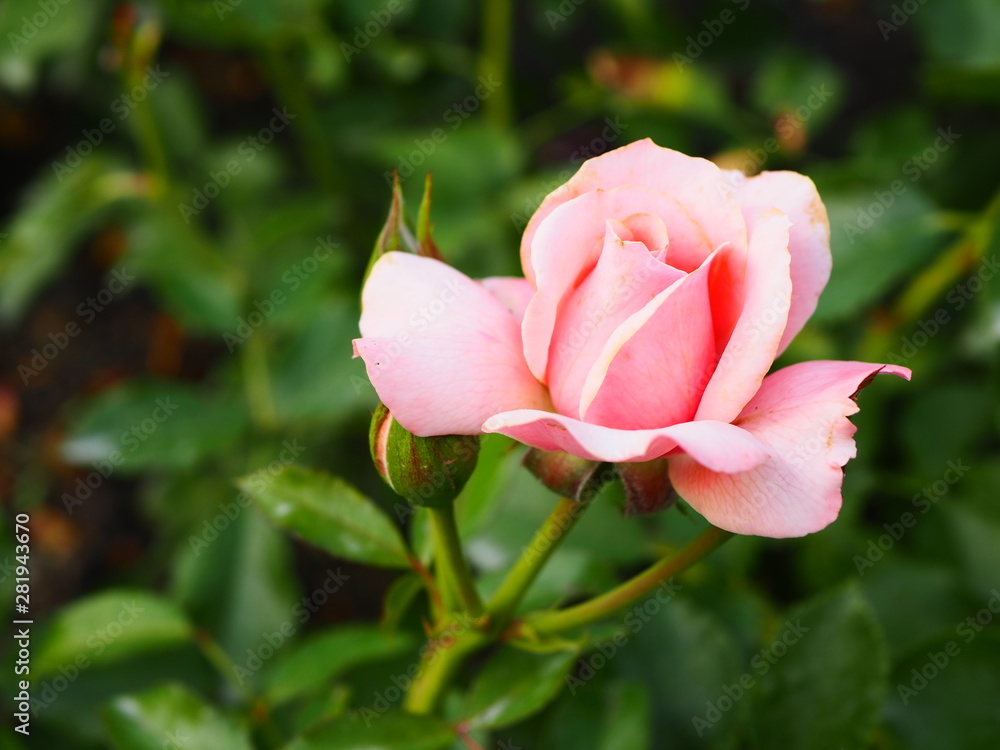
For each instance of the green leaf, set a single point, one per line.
(66, 31)
(235, 576)
(683, 656)
(194, 282)
(932, 441)
(171, 716)
(399, 598)
(58, 211)
(514, 685)
(628, 725)
(245, 22)
(324, 657)
(313, 378)
(874, 246)
(828, 682)
(952, 700)
(913, 600)
(977, 543)
(390, 731)
(107, 627)
(329, 513)
(963, 34)
(152, 424)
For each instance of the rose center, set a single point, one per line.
(645, 228)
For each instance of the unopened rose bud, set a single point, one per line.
(427, 471)
(647, 486)
(566, 474)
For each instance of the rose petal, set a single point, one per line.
(514, 293)
(567, 245)
(795, 196)
(753, 345)
(442, 352)
(647, 229)
(698, 184)
(716, 444)
(653, 369)
(627, 277)
(800, 414)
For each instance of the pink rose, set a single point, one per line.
(658, 291)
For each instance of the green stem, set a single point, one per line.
(257, 382)
(438, 608)
(504, 603)
(495, 59)
(216, 656)
(593, 610)
(439, 664)
(451, 560)
(139, 52)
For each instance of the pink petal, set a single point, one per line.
(653, 369)
(698, 184)
(795, 196)
(720, 445)
(647, 229)
(753, 345)
(442, 352)
(513, 292)
(800, 414)
(568, 243)
(627, 277)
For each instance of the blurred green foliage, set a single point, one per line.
(234, 158)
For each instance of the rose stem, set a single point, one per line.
(503, 604)
(451, 560)
(550, 623)
(438, 665)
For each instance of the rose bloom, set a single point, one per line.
(658, 291)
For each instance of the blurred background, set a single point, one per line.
(191, 190)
